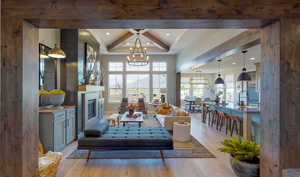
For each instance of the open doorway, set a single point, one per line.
(20, 49)
(169, 51)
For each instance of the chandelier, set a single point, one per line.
(138, 54)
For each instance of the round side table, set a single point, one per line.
(182, 131)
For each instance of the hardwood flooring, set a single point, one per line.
(202, 167)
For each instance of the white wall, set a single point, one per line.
(171, 76)
(211, 40)
(49, 37)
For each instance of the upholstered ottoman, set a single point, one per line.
(182, 131)
(135, 138)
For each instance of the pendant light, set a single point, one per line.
(138, 55)
(43, 53)
(56, 53)
(219, 80)
(244, 76)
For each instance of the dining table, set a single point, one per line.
(191, 102)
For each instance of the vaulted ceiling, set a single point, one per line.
(157, 41)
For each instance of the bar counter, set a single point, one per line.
(250, 116)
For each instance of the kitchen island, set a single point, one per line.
(250, 116)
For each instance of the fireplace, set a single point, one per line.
(92, 106)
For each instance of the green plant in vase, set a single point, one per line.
(244, 156)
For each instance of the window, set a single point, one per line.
(220, 91)
(159, 66)
(185, 87)
(115, 87)
(137, 68)
(159, 85)
(230, 85)
(137, 87)
(115, 66)
(198, 90)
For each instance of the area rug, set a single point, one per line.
(196, 151)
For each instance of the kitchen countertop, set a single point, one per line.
(249, 109)
(55, 109)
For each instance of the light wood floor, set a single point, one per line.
(212, 167)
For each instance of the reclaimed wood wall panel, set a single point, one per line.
(69, 65)
(154, 9)
(30, 99)
(290, 92)
(19, 98)
(280, 86)
(151, 24)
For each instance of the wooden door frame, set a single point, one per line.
(108, 14)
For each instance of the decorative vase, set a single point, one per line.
(56, 99)
(44, 100)
(52, 99)
(244, 169)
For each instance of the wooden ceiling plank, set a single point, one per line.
(119, 41)
(156, 40)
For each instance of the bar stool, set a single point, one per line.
(206, 113)
(236, 125)
(213, 118)
(223, 119)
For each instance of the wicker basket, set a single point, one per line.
(48, 164)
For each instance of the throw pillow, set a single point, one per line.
(163, 111)
(96, 130)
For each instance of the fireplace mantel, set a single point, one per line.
(86, 94)
(90, 88)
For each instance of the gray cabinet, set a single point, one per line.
(57, 128)
(59, 134)
(70, 125)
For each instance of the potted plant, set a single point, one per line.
(244, 156)
(54, 97)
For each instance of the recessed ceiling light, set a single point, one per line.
(233, 63)
(168, 34)
(84, 33)
(148, 43)
(107, 33)
(127, 43)
(252, 58)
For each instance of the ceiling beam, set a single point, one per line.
(232, 46)
(155, 9)
(151, 24)
(119, 41)
(156, 41)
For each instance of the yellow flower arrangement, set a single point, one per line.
(43, 92)
(57, 91)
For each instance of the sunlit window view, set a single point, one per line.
(148, 82)
(115, 87)
(159, 66)
(137, 87)
(115, 66)
(159, 85)
(137, 68)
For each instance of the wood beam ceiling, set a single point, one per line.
(154, 9)
(120, 40)
(157, 41)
